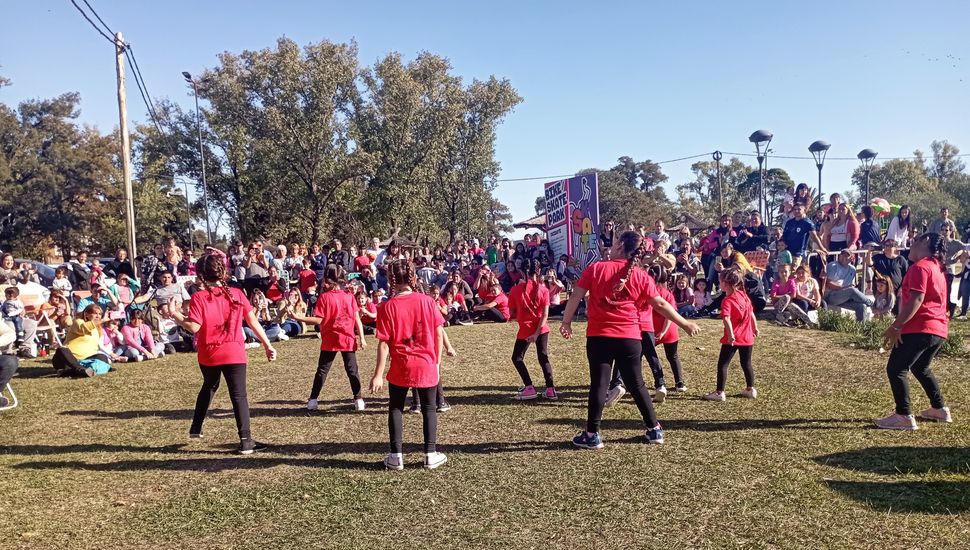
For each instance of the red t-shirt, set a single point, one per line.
(931, 317)
(611, 314)
(528, 305)
(360, 262)
(371, 307)
(645, 314)
(220, 341)
(501, 303)
(308, 280)
(273, 293)
(338, 309)
(737, 307)
(408, 323)
(658, 320)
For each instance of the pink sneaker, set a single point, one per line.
(750, 393)
(897, 422)
(715, 396)
(936, 415)
(551, 394)
(526, 394)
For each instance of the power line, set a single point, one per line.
(105, 25)
(93, 24)
(828, 158)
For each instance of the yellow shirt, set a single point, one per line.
(84, 338)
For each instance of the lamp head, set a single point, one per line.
(188, 77)
(761, 139)
(818, 150)
(867, 156)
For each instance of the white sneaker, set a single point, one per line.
(433, 460)
(750, 393)
(252, 345)
(394, 461)
(660, 395)
(715, 396)
(282, 337)
(614, 395)
(359, 405)
(311, 404)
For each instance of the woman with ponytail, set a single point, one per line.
(617, 290)
(216, 315)
(410, 331)
(529, 304)
(340, 327)
(918, 333)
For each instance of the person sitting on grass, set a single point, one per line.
(885, 298)
(13, 311)
(81, 354)
(141, 346)
(113, 342)
(702, 296)
(494, 306)
(807, 295)
(367, 310)
(783, 293)
(683, 296)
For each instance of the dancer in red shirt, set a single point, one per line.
(409, 328)
(529, 305)
(617, 290)
(216, 315)
(666, 332)
(336, 313)
(918, 333)
(740, 329)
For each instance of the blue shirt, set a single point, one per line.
(796, 235)
(103, 302)
(869, 233)
(839, 274)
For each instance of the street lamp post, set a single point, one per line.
(867, 157)
(818, 149)
(205, 188)
(761, 140)
(188, 209)
(720, 190)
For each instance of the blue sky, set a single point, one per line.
(652, 80)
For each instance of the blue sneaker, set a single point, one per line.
(655, 436)
(587, 441)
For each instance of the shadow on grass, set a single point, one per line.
(721, 425)
(340, 407)
(905, 496)
(202, 464)
(36, 371)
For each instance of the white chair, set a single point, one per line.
(13, 399)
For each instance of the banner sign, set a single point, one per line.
(572, 218)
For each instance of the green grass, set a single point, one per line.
(105, 463)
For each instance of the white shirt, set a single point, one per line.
(898, 234)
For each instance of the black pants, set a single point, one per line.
(648, 347)
(951, 306)
(557, 309)
(603, 354)
(542, 353)
(724, 360)
(914, 354)
(235, 375)
(806, 307)
(491, 314)
(395, 413)
(323, 368)
(64, 360)
(8, 366)
(670, 351)
(439, 394)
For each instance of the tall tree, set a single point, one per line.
(645, 176)
(700, 197)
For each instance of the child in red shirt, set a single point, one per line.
(665, 331)
(409, 329)
(336, 313)
(494, 306)
(367, 310)
(740, 329)
(529, 306)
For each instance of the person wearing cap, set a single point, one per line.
(476, 250)
(101, 297)
(840, 289)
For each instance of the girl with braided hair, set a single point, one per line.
(918, 333)
(216, 315)
(409, 329)
(617, 291)
(529, 305)
(340, 326)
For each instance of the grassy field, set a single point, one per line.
(106, 463)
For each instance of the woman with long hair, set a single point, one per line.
(216, 315)
(529, 304)
(899, 228)
(918, 333)
(617, 288)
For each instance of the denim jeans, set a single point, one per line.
(849, 298)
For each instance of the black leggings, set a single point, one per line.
(235, 375)
(395, 413)
(648, 345)
(439, 394)
(64, 360)
(492, 314)
(670, 351)
(542, 352)
(603, 353)
(323, 368)
(724, 359)
(557, 309)
(914, 354)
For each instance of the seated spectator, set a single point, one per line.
(81, 353)
(58, 311)
(453, 308)
(840, 289)
(807, 294)
(120, 265)
(729, 258)
(288, 311)
(8, 363)
(100, 297)
(9, 274)
(140, 344)
(462, 289)
(884, 299)
(170, 295)
(494, 306)
(684, 296)
(13, 312)
(687, 261)
(510, 277)
(276, 286)
(113, 342)
(61, 282)
(661, 256)
(753, 235)
(683, 237)
(367, 310)
(261, 308)
(702, 296)
(368, 279)
(555, 288)
(784, 291)
(124, 291)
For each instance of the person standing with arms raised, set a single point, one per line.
(216, 315)
(618, 290)
(918, 333)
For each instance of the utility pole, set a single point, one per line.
(125, 148)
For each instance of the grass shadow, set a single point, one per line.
(201, 465)
(906, 497)
(902, 460)
(721, 425)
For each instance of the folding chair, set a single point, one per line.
(13, 398)
(758, 260)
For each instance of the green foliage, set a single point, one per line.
(701, 197)
(868, 335)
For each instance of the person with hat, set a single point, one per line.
(99, 296)
(840, 289)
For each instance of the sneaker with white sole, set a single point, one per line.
(588, 441)
(660, 395)
(249, 446)
(897, 422)
(655, 435)
(359, 404)
(282, 337)
(433, 460)
(527, 393)
(443, 407)
(394, 461)
(252, 345)
(551, 394)
(312, 404)
(714, 396)
(750, 393)
(936, 415)
(681, 388)
(614, 395)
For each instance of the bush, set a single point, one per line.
(833, 321)
(868, 334)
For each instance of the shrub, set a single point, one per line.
(833, 321)
(868, 334)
